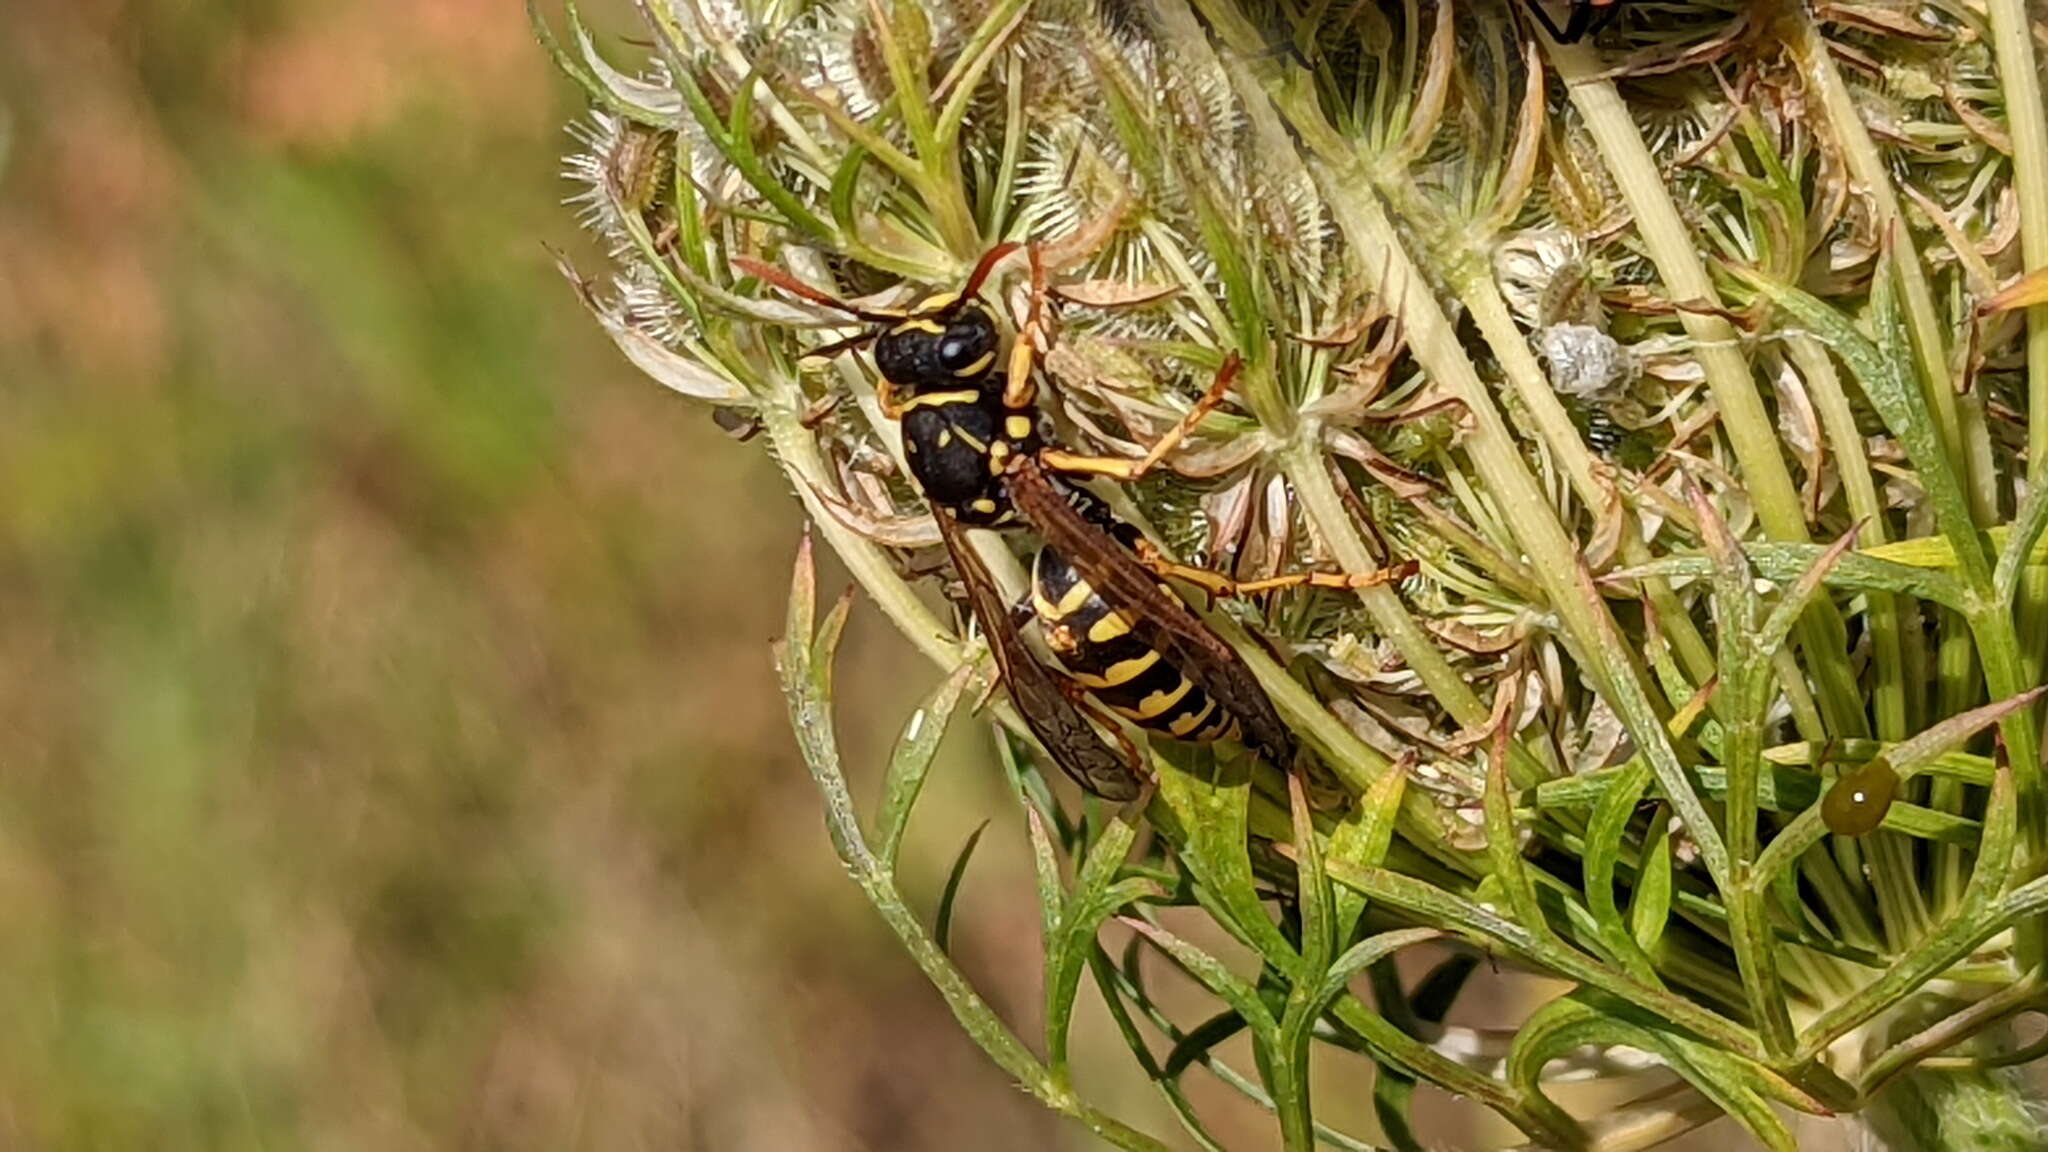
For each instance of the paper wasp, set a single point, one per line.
(972, 441)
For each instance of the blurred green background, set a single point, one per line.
(389, 749)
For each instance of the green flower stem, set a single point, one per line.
(806, 678)
(1470, 281)
(1945, 1034)
(2012, 27)
(797, 452)
(2019, 75)
(1552, 554)
(1743, 418)
(1306, 469)
(1838, 423)
(1962, 425)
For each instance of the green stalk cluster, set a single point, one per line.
(1677, 360)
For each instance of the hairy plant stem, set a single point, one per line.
(2019, 75)
(1716, 345)
(806, 675)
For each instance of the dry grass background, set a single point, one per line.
(389, 752)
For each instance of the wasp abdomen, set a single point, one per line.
(1096, 646)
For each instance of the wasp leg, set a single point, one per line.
(1219, 585)
(892, 402)
(1020, 388)
(1118, 468)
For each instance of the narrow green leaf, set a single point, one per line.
(1907, 758)
(628, 102)
(1115, 988)
(942, 923)
(1503, 841)
(2027, 526)
(912, 760)
(1566, 1024)
(1210, 798)
(1783, 789)
(1304, 1003)
(1604, 835)
(1366, 952)
(800, 619)
(1045, 866)
(1361, 840)
(1095, 897)
(1962, 930)
(1211, 974)
(1888, 382)
(1873, 571)
(1792, 604)
(1433, 905)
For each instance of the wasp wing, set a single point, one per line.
(1157, 617)
(1051, 716)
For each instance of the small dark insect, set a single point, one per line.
(1586, 19)
(972, 443)
(1857, 803)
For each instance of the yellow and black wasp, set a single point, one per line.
(972, 441)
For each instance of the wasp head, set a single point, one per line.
(945, 342)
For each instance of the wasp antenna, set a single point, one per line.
(986, 265)
(770, 274)
(827, 351)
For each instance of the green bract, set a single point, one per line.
(1667, 356)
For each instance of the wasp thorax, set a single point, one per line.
(939, 349)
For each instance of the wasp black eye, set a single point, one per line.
(966, 348)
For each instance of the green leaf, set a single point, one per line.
(1967, 926)
(1792, 604)
(1872, 571)
(1503, 842)
(1305, 1000)
(1433, 905)
(1888, 381)
(942, 923)
(912, 760)
(1366, 952)
(2027, 528)
(1095, 897)
(627, 101)
(1361, 840)
(1210, 798)
(1569, 1023)
(1115, 989)
(1045, 866)
(1604, 835)
(1208, 971)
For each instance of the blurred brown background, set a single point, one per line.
(389, 750)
